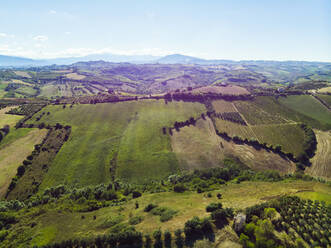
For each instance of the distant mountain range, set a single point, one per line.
(12, 61)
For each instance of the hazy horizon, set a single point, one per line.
(237, 30)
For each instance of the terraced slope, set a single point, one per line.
(126, 136)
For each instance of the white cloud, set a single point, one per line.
(40, 38)
(52, 12)
(3, 35)
(67, 33)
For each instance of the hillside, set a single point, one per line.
(99, 159)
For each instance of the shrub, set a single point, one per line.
(136, 194)
(179, 188)
(135, 220)
(213, 206)
(149, 207)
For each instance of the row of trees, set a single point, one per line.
(231, 116)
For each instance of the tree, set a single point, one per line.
(179, 188)
(213, 206)
(157, 235)
(136, 194)
(270, 213)
(220, 218)
(20, 170)
(167, 239)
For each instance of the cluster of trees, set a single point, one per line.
(28, 115)
(231, 116)
(181, 124)
(299, 222)
(309, 145)
(26, 109)
(310, 219)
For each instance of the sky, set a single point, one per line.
(230, 29)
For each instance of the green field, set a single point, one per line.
(234, 129)
(326, 99)
(256, 115)
(26, 90)
(309, 106)
(6, 119)
(127, 135)
(289, 136)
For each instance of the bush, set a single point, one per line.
(164, 213)
(179, 188)
(136, 194)
(135, 220)
(149, 207)
(213, 206)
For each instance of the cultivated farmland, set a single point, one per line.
(221, 106)
(309, 106)
(200, 147)
(321, 162)
(289, 136)
(126, 136)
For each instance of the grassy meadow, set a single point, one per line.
(127, 135)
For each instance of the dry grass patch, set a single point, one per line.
(22, 74)
(75, 76)
(12, 155)
(222, 106)
(321, 162)
(6, 119)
